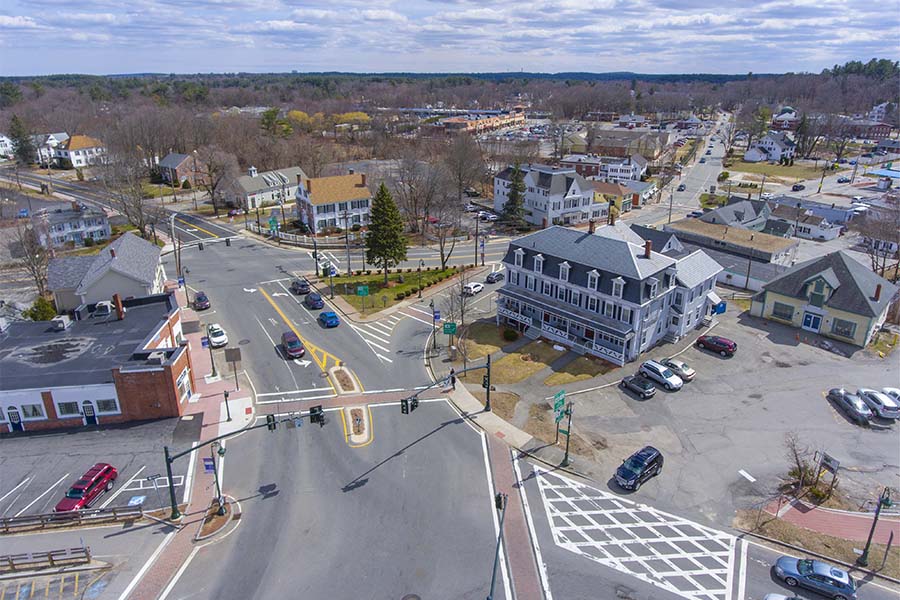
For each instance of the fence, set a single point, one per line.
(70, 519)
(306, 241)
(31, 561)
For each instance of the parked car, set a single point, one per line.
(291, 344)
(708, 152)
(842, 161)
(471, 208)
(216, 335)
(843, 179)
(767, 196)
(881, 404)
(857, 200)
(638, 384)
(495, 277)
(490, 217)
(781, 597)
(695, 214)
(201, 301)
(797, 187)
(472, 192)
(639, 467)
(329, 319)
(314, 301)
(234, 212)
(718, 344)
(472, 288)
(681, 187)
(817, 576)
(868, 155)
(680, 368)
(99, 478)
(851, 404)
(661, 374)
(702, 161)
(300, 286)
(893, 393)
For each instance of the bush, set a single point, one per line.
(818, 496)
(399, 296)
(186, 185)
(41, 310)
(356, 227)
(358, 273)
(79, 174)
(407, 293)
(723, 176)
(338, 230)
(368, 271)
(88, 242)
(510, 335)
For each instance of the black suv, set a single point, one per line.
(639, 467)
(494, 277)
(300, 286)
(638, 384)
(314, 300)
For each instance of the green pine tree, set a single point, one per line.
(514, 208)
(385, 242)
(41, 310)
(23, 147)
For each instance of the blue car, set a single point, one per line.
(815, 575)
(329, 319)
(314, 300)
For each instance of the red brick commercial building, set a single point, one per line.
(131, 365)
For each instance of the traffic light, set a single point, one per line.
(200, 245)
(404, 406)
(228, 242)
(270, 422)
(317, 415)
(485, 381)
(414, 404)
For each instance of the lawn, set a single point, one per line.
(797, 172)
(523, 363)
(883, 343)
(153, 190)
(379, 295)
(542, 425)
(503, 404)
(117, 231)
(481, 339)
(710, 201)
(581, 368)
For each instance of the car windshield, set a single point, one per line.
(215, 331)
(75, 493)
(314, 297)
(201, 297)
(804, 567)
(293, 343)
(633, 465)
(667, 373)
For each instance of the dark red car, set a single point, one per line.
(293, 347)
(721, 345)
(98, 479)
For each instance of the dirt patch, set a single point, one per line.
(480, 339)
(503, 404)
(344, 380)
(541, 425)
(816, 542)
(213, 521)
(356, 417)
(524, 363)
(583, 367)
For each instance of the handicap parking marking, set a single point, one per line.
(667, 551)
(161, 482)
(109, 500)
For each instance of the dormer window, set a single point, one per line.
(518, 256)
(564, 271)
(593, 280)
(539, 263)
(653, 287)
(618, 286)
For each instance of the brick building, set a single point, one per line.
(128, 365)
(177, 168)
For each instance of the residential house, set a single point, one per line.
(338, 201)
(833, 295)
(6, 147)
(892, 146)
(612, 168)
(642, 192)
(613, 194)
(879, 112)
(867, 129)
(785, 120)
(177, 168)
(628, 142)
(45, 145)
(600, 293)
(691, 122)
(739, 241)
(746, 214)
(632, 121)
(78, 151)
(774, 146)
(832, 213)
(553, 195)
(129, 267)
(131, 365)
(805, 223)
(71, 226)
(256, 190)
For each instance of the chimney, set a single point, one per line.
(351, 171)
(877, 292)
(591, 226)
(120, 311)
(252, 171)
(112, 252)
(75, 206)
(309, 186)
(363, 176)
(648, 247)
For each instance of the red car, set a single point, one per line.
(721, 345)
(83, 492)
(293, 347)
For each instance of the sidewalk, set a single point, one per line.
(207, 403)
(837, 523)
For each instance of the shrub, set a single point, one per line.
(338, 230)
(368, 271)
(510, 335)
(79, 174)
(723, 176)
(399, 296)
(186, 185)
(407, 293)
(356, 227)
(88, 242)
(41, 310)
(409, 270)
(358, 273)
(818, 496)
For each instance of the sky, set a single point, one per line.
(39, 37)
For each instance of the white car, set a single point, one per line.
(881, 404)
(216, 335)
(893, 393)
(661, 373)
(767, 196)
(471, 208)
(473, 288)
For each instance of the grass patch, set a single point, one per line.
(708, 200)
(542, 426)
(117, 231)
(524, 363)
(884, 342)
(583, 367)
(213, 521)
(154, 190)
(381, 297)
(743, 303)
(817, 542)
(503, 404)
(481, 339)
(795, 172)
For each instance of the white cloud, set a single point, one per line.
(17, 22)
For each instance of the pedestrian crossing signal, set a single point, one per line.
(414, 404)
(317, 415)
(404, 406)
(270, 422)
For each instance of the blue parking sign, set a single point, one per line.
(437, 315)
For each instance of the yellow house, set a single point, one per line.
(833, 295)
(614, 194)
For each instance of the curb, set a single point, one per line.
(235, 517)
(817, 555)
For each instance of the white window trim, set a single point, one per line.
(618, 287)
(564, 267)
(519, 255)
(539, 263)
(21, 409)
(593, 279)
(107, 412)
(59, 415)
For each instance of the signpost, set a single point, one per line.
(362, 291)
(233, 355)
(559, 401)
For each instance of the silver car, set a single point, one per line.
(881, 404)
(851, 404)
(662, 374)
(680, 368)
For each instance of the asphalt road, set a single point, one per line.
(409, 513)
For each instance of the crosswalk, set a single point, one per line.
(378, 334)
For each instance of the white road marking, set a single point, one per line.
(742, 576)
(24, 481)
(382, 329)
(542, 566)
(380, 347)
(362, 331)
(286, 366)
(122, 489)
(148, 564)
(250, 291)
(161, 482)
(429, 323)
(274, 280)
(385, 358)
(417, 309)
(291, 392)
(298, 399)
(47, 491)
(507, 593)
(168, 589)
(746, 476)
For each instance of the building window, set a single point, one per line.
(609, 309)
(593, 304)
(653, 287)
(843, 328)
(546, 288)
(783, 311)
(107, 406)
(679, 298)
(529, 282)
(32, 411)
(576, 299)
(564, 271)
(593, 280)
(618, 287)
(518, 258)
(626, 315)
(817, 299)
(538, 264)
(514, 278)
(67, 409)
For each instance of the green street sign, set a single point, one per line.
(362, 290)
(559, 416)
(560, 395)
(559, 400)
(449, 327)
(564, 431)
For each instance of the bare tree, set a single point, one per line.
(415, 185)
(33, 257)
(880, 230)
(447, 212)
(798, 455)
(839, 136)
(464, 163)
(314, 155)
(122, 176)
(456, 303)
(215, 167)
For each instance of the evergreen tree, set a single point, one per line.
(23, 148)
(514, 208)
(41, 310)
(385, 242)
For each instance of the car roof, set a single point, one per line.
(646, 453)
(289, 335)
(328, 313)
(825, 569)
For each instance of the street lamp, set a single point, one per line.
(883, 500)
(433, 334)
(212, 453)
(194, 182)
(421, 266)
(227, 408)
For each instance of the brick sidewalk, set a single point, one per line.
(840, 524)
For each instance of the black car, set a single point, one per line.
(638, 384)
(201, 301)
(797, 187)
(314, 300)
(300, 286)
(494, 277)
(639, 467)
(681, 187)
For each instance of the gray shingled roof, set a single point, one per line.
(66, 273)
(135, 258)
(270, 179)
(172, 160)
(694, 269)
(658, 237)
(856, 291)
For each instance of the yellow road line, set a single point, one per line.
(75, 591)
(195, 226)
(311, 348)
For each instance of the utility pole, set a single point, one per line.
(194, 187)
(761, 186)
(500, 501)
(486, 384)
(212, 360)
(749, 263)
(883, 500)
(565, 460)
(433, 322)
(477, 219)
(347, 241)
(671, 201)
(212, 454)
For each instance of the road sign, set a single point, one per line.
(332, 271)
(829, 463)
(559, 416)
(437, 315)
(449, 327)
(209, 466)
(233, 354)
(362, 290)
(205, 341)
(564, 431)
(181, 282)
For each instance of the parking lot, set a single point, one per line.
(37, 469)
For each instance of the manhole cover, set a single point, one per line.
(243, 342)
(410, 597)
